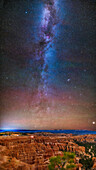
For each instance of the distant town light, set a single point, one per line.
(32, 136)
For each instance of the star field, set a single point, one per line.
(48, 64)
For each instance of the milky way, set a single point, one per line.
(48, 25)
(48, 64)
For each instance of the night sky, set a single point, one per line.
(48, 64)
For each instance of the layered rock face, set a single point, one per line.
(33, 152)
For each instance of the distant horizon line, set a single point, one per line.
(10, 129)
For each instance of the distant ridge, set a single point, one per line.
(76, 132)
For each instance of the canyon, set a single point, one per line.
(33, 151)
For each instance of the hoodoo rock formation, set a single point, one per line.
(34, 152)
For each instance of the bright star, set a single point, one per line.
(68, 80)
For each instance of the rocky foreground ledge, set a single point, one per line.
(32, 152)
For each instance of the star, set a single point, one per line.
(68, 80)
(70, 97)
(93, 123)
